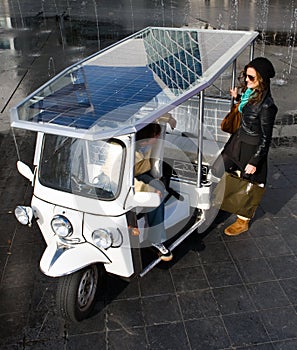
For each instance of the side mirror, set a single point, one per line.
(24, 170)
(144, 200)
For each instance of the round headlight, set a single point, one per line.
(23, 214)
(102, 238)
(61, 226)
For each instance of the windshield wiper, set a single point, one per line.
(62, 144)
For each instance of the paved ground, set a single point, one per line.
(218, 293)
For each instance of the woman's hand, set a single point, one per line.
(234, 92)
(168, 118)
(172, 122)
(250, 169)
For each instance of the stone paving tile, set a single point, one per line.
(272, 246)
(157, 282)
(7, 235)
(244, 249)
(222, 274)
(214, 253)
(276, 204)
(12, 324)
(160, 309)
(208, 333)
(255, 270)
(124, 314)
(15, 299)
(267, 295)
(280, 323)
(283, 266)
(189, 279)
(167, 336)
(290, 288)
(266, 226)
(286, 345)
(198, 304)
(126, 339)
(233, 300)
(245, 329)
(95, 341)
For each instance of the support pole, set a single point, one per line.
(200, 138)
(252, 50)
(233, 79)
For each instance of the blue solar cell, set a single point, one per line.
(45, 117)
(131, 85)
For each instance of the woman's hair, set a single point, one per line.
(149, 131)
(259, 91)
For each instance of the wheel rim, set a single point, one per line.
(87, 288)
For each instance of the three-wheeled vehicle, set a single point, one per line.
(84, 200)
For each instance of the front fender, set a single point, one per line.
(59, 260)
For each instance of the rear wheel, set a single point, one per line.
(76, 293)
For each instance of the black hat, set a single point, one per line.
(263, 66)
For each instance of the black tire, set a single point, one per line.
(76, 293)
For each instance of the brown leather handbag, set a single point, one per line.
(231, 122)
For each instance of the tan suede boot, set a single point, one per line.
(238, 227)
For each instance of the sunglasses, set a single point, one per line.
(250, 77)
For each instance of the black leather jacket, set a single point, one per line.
(257, 125)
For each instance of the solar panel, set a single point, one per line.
(130, 83)
(86, 100)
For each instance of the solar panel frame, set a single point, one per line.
(133, 82)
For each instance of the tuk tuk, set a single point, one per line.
(86, 118)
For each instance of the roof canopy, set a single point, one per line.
(131, 83)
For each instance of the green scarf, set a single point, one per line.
(245, 99)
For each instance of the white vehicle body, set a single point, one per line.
(86, 119)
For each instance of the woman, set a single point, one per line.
(247, 149)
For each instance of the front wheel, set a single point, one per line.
(76, 293)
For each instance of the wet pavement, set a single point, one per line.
(219, 292)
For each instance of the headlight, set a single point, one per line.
(102, 238)
(61, 226)
(24, 215)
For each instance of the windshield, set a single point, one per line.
(88, 168)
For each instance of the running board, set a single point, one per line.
(172, 246)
